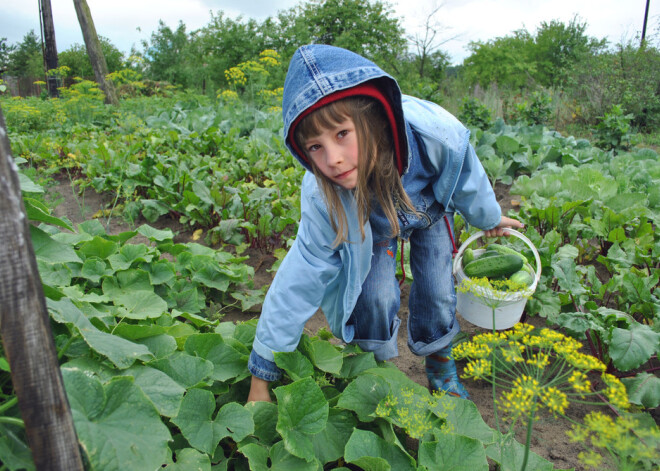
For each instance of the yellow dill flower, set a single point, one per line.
(539, 360)
(590, 459)
(616, 391)
(513, 354)
(584, 362)
(580, 382)
(228, 95)
(478, 369)
(555, 400)
(578, 434)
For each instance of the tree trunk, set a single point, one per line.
(94, 51)
(50, 48)
(26, 333)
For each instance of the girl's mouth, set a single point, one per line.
(341, 176)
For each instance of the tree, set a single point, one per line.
(558, 46)
(506, 61)
(5, 51)
(76, 58)
(367, 28)
(427, 46)
(26, 59)
(166, 54)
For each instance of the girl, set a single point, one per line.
(381, 166)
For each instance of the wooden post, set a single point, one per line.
(26, 332)
(50, 48)
(94, 51)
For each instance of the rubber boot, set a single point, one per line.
(441, 372)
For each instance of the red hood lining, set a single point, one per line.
(364, 89)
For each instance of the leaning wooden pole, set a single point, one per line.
(26, 333)
(94, 51)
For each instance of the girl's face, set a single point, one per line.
(335, 153)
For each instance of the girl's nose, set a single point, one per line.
(334, 156)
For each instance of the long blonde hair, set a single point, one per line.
(377, 178)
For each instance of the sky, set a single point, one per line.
(128, 22)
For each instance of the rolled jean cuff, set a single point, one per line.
(423, 349)
(382, 349)
(262, 368)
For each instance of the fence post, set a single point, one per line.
(26, 333)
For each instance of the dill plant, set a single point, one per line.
(537, 370)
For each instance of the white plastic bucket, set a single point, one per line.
(472, 305)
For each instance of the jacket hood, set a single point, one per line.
(317, 71)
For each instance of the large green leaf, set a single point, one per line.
(187, 370)
(510, 456)
(37, 211)
(631, 347)
(295, 364)
(165, 393)
(265, 421)
(14, 452)
(566, 273)
(119, 351)
(99, 247)
(371, 453)
(132, 291)
(189, 459)
(118, 427)
(464, 419)
(49, 250)
(196, 422)
(363, 395)
(453, 453)
(643, 389)
(329, 444)
(302, 413)
(228, 363)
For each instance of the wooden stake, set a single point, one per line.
(26, 333)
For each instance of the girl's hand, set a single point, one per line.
(259, 390)
(500, 230)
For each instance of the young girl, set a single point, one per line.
(381, 166)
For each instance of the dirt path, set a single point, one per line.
(549, 439)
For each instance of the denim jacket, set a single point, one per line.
(441, 173)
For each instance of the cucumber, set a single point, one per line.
(468, 256)
(522, 276)
(489, 253)
(492, 267)
(504, 250)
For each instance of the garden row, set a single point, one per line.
(138, 325)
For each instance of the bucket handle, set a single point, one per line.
(472, 238)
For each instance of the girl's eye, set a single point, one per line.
(342, 133)
(313, 147)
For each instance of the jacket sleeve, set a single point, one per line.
(473, 195)
(299, 286)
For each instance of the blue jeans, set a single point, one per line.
(432, 320)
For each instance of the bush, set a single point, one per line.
(627, 76)
(613, 132)
(474, 113)
(536, 110)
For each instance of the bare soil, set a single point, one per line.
(549, 439)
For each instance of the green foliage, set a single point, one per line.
(5, 50)
(506, 61)
(474, 113)
(25, 60)
(613, 131)
(626, 76)
(558, 47)
(537, 109)
(75, 57)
